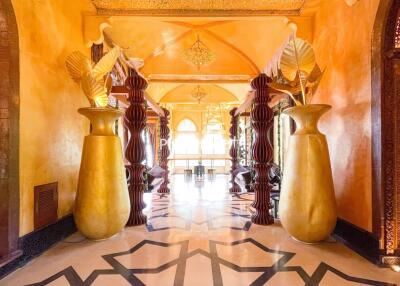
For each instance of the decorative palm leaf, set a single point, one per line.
(94, 91)
(298, 56)
(93, 81)
(77, 64)
(106, 63)
(287, 89)
(313, 82)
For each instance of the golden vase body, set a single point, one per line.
(102, 203)
(307, 206)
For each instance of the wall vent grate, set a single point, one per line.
(46, 204)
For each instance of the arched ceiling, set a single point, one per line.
(240, 47)
(243, 37)
(214, 94)
(236, 91)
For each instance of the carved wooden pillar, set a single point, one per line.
(135, 121)
(233, 152)
(164, 136)
(262, 120)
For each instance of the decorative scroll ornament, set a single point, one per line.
(198, 93)
(299, 74)
(199, 54)
(94, 80)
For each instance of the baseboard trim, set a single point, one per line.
(359, 240)
(35, 243)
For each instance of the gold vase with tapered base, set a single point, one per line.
(307, 206)
(102, 203)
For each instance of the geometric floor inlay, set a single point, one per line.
(200, 235)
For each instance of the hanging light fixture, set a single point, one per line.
(198, 54)
(198, 93)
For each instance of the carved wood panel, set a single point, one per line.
(390, 101)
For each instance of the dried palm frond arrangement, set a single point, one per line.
(94, 79)
(299, 74)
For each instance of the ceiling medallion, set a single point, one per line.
(199, 54)
(198, 93)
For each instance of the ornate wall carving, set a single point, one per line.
(9, 133)
(385, 127)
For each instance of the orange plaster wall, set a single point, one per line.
(342, 41)
(51, 130)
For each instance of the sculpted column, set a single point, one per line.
(262, 120)
(135, 122)
(164, 136)
(233, 152)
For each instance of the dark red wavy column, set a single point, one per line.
(233, 152)
(262, 119)
(135, 121)
(164, 136)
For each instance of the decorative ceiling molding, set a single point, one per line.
(203, 28)
(211, 93)
(236, 50)
(191, 78)
(194, 8)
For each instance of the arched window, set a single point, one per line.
(186, 125)
(186, 141)
(213, 142)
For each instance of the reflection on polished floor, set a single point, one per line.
(199, 235)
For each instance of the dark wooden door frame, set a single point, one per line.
(385, 138)
(9, 134)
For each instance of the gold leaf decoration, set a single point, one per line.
(77, 64)
(287, 89)
(313, 82)
(106, 63)
(299, 74)
(298, 56)
(94, 91)
(93, 82)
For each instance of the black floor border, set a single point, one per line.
(359, 240)
(35, 243)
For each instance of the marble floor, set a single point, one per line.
(199, 235)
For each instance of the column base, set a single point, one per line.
(262, 217)
(136, 218)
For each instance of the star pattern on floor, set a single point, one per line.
(239, 217)
(264, 273)
(201, 241)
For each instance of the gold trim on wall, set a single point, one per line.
(197, 13)
(193, 8)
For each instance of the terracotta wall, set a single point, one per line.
(342, 41)
(51, 131)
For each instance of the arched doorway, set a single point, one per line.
(386, 130)
(9, 134)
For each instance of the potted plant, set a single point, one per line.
(102, 203)
(307, 207)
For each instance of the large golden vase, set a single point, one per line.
(307, 206)
(102, 203)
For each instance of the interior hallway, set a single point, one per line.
(199, 235)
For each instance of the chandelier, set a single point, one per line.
(198, 93)
(199, 54)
